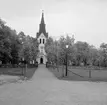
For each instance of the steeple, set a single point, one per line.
(42, 19)
(42, 26)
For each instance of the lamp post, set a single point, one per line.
(66, 61)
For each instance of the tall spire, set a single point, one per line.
(42, 19)
(42, 26)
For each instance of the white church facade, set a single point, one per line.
(42, 36)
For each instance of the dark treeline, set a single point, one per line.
(15, 47)
(79, 53)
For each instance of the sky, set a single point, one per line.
(85, 19)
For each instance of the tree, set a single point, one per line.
(56, 50)
(103, 53)
(29, 48)
(50, 50)
(82, 54)
(2, 23)
(5, 44)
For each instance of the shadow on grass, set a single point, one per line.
(30, 72)
(83, 79)
(16, 72)
(75, 77)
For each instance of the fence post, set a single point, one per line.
(25, 69)
(22, 69)
(89, 73)
(63, 71)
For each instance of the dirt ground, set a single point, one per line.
(45, 89)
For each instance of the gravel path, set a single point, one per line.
(45, 89)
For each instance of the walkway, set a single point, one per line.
(45, 89)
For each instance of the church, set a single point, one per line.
(42, 36)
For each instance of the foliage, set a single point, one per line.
(14, 47)
(79, 53)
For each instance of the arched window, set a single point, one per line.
(43, 41)
(40, 40)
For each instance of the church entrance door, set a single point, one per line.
(41, 60)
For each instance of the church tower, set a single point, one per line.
(42, 36)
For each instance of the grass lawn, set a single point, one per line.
(11, 71)
(80, 74)
(18, 71)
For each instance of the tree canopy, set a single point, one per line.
(14, 47)
(78, 53)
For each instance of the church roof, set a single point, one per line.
(42, 28)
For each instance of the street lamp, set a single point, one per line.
(66, 60)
